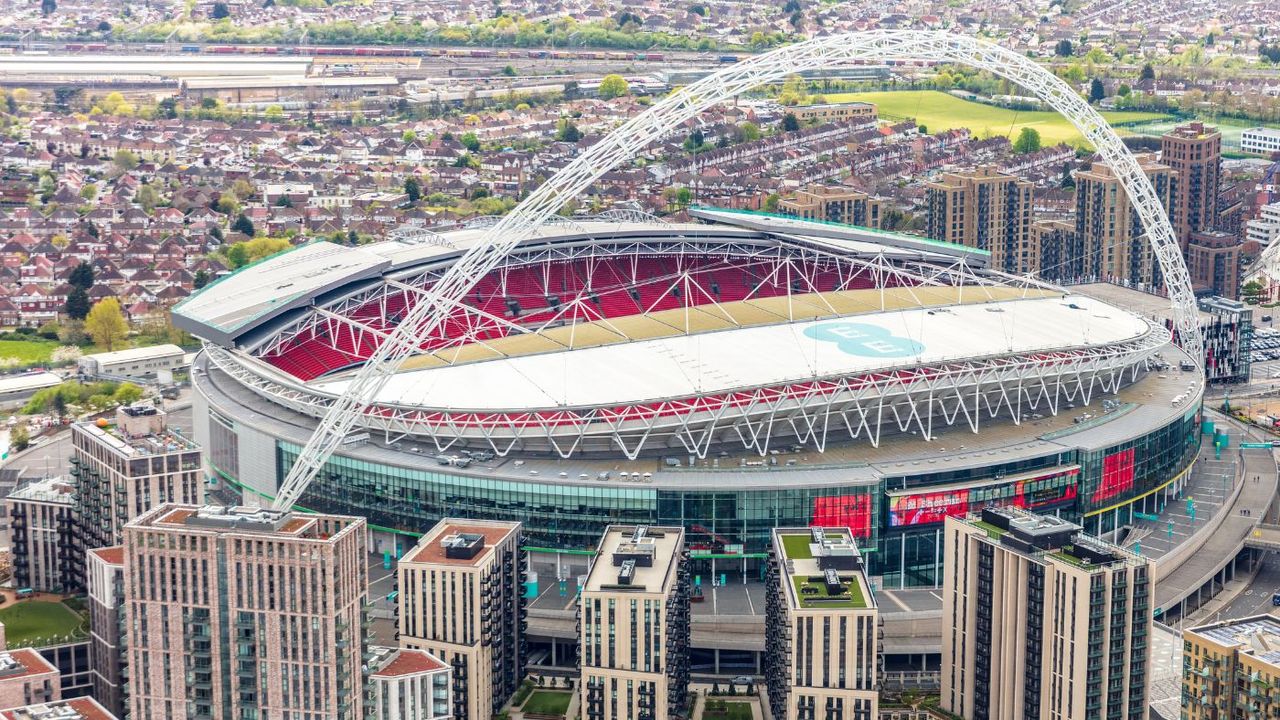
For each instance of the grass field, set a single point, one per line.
(27, 351)
(548, 702)
(940, 111)
(732, 711)
(37, 622)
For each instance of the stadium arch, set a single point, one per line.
(660, 119)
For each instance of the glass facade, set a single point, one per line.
(906, 549)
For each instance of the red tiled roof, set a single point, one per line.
(434, 552)
(32, 662)
(113, 555)
(410, 662)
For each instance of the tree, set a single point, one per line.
(771, 202)
(1251, 292)
(274, 113)
(1096, 91)
(228, 203)
(237, 256)
(1028, 141)
(470, 142)
(77, 305)
(1124, 90)
(127, 394)
(790, 123)
(19, 436)
(695, 140)
(749, 131)
(48, 7)
(105, 324)
(167, 109)
(509, 71)
(89, 191)
(147, 198)
(568, 132)
(81, 276)
(612, 86)
(1064, 48)
(1148, 72)
(201, 279)
(244, 225)
(219, 11)
(413, 190)
(125, 160)
(353, 237)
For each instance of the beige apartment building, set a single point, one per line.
(988, 210)
(461, 599)
(833, 204)
(822, 628)
(1231, 669)
(1112, 244)
(633, 626)
(1041, 621)
(124, 468)
(244, 612)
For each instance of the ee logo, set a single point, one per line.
(864, 340)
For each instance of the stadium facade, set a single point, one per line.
(733, 375)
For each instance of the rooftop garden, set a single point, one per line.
(812, 593)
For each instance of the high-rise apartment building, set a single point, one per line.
(405, 684)
(104, 570)
(244, 613)
(1194, 152)
(1058, 246)
(1231, 669)
(1040, 621)
(833, 204)
(1112, 243)
(633, 626)
(1213, 259)
(42, 536)
(988, 210)
(126, 468)
(461, 598)
(821, 628)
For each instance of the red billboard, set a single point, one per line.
(851, 511)
(1117, 476)
(927, 508)
(1033, 493)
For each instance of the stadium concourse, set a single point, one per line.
(730, 375)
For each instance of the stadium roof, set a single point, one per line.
(259, 293)
(705, 363)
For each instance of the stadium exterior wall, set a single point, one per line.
(727, 513)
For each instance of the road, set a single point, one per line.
(1257, 599)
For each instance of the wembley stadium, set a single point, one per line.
(733, 374)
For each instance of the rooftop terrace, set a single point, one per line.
(824, 569)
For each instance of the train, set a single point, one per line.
(352, 51)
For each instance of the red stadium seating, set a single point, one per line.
(608, 288)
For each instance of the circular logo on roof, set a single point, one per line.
(864, 340)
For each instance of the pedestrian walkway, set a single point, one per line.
(1256, 491)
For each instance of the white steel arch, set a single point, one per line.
(634, 135)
